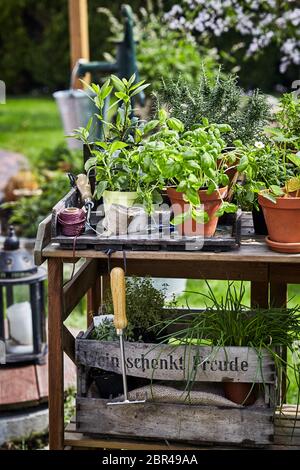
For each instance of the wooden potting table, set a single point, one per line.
(268, 272)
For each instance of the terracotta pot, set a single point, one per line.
(282, 218)
(283, 247)
(211, 204)
(238, 392)
(230, 172)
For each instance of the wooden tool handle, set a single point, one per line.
(84, 187)
(118, 290)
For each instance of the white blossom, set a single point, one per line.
(259, 145)
(263, 22)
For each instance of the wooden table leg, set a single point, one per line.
(278, 294)
(278, 298)
(96, 296)
(105, 286)
(56, 365)
(259, 294)
(93, 300)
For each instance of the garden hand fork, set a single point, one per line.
(118, 290)
(84, 188)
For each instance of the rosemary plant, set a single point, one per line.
(218, 99)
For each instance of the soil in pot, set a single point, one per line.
(110, 384)
(282, 218)
(259, 223)
(211, 204)
(146, 336)
(238, 392)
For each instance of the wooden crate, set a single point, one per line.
(245, 426)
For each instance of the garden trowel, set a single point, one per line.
(118, 290)
(84, 187)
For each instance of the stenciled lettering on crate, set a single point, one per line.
(165, 362)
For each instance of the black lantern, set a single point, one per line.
(22, 309)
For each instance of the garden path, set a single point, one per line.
(10, 164)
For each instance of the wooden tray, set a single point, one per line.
(227, 236)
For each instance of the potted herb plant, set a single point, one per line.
(271, 176)
(281, 204)
(263, 169)
(279, 165)
(120, 176)
(193, 167)
(228, 322)
(219, 99)
(136, 160)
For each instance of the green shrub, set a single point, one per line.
(28, 212)
(61, 158)
(162, 52)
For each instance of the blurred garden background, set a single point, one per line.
(257, 40)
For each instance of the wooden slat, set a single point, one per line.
(43, 238)
(69, 343)
(287, 426)
(76, 439)
(86, 442)
(250, 252)
(18, 385)
(79, 33)
(42, 380)
(79, 285)
(278, 294)
(93, 300)
(56, 377)
(278, 299)
(287, 272)
(181, 422)
(288, 440)
(163, 362)
(259, 294)
(189, 269)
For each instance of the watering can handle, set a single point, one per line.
(84, 187)
(117, 283)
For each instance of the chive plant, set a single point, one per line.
(228, 322)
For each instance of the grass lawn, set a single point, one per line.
(29, 125)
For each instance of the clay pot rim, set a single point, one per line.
(283, 247)
(214, 196)
(283, 203)
(261, 193)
